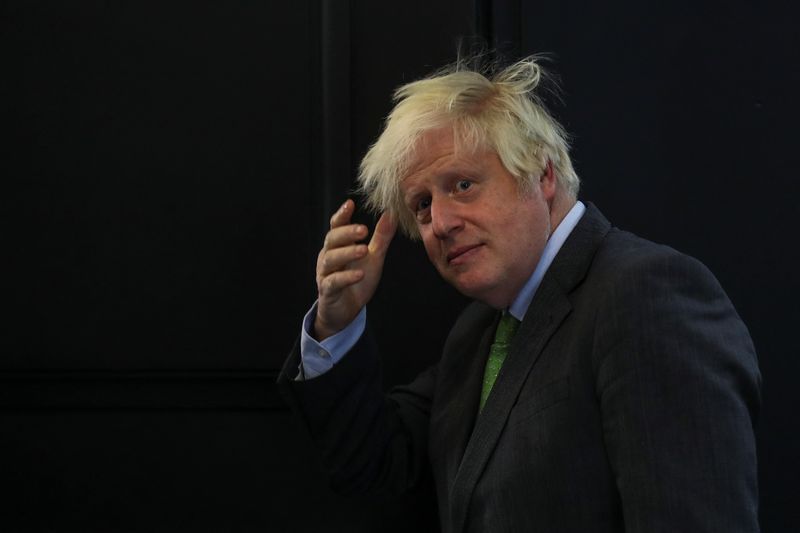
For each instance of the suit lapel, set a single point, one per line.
(547, 311)
(541, 321)
(461, 390)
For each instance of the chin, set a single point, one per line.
(474, 290)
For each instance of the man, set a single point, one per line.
(625, 401)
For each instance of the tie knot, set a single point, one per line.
(506, 328)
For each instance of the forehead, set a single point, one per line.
(437, 154)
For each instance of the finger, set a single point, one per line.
(338, 258)
(384, 232)
(338, 281)
(344, 236)
(343, 214)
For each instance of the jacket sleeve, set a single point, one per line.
(679, 390)
(369, 441)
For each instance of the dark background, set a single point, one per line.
(168, 170)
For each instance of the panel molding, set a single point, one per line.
(140, 390)
(335, 101)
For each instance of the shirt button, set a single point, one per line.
(322, 353)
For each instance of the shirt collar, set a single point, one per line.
(519, 306)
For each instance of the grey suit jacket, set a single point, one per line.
(626, 403)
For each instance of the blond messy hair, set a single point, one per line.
(486, 107)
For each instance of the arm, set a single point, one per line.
(348, 272)
(347, 275)
(368, 441)
(678, 384)
(319, 357)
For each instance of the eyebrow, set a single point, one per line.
(410, 196)
(461, 171)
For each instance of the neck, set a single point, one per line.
(559, 207)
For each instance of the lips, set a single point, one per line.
(461, 250)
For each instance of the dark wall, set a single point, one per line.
(155, 153)
(154, 156)
(170, 173)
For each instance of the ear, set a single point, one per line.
(548, 182)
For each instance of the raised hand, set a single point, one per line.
(348, 271)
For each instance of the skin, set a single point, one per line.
(348, 271)
(481, 233)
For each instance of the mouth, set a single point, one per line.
(462, 252)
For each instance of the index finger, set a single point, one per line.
(383, 234)
(343, 214)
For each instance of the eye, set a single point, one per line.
(463, 185)
(423, 204)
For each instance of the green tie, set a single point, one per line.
(497, 353)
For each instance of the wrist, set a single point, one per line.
(320, 331)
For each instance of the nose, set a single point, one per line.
(445, 217)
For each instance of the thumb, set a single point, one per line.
(383, 234)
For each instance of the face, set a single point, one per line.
(482, 235)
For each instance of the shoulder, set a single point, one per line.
(628, 264)
(639, 295)
(654, 302)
